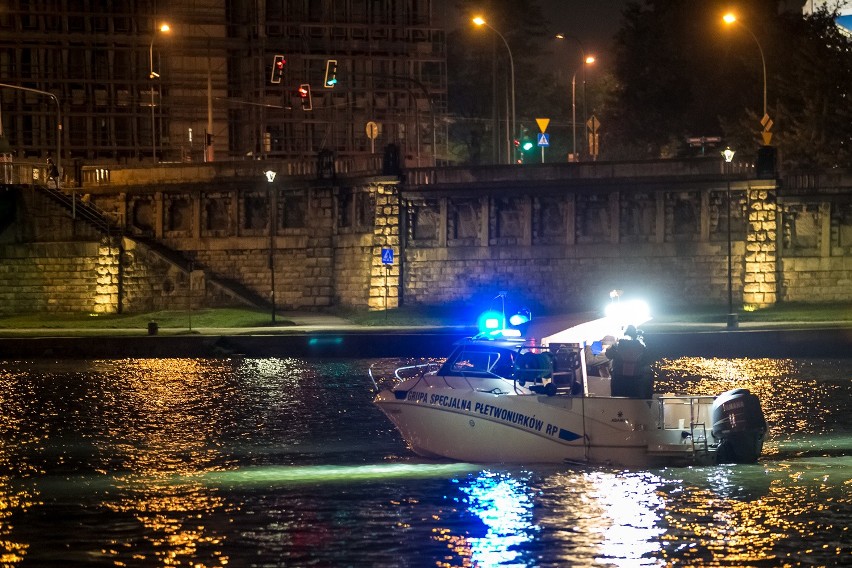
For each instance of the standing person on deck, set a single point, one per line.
(631, 372)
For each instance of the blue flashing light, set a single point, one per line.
(489, 321)
(519, 319)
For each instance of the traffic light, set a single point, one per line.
(278, 63)
(523, 144)
(305, 95)
(330, 74)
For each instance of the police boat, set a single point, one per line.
(501, 397)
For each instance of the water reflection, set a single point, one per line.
(166, 424)
(796, 396)
(504, 505)
(286, 462)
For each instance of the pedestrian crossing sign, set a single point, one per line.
(543, 139)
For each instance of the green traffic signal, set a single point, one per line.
(527, 146)
(330, 74)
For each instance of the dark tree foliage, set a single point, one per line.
(479, 77)
(680, 72)
(814, 105)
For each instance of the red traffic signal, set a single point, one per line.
(278, 63)
(305, 95)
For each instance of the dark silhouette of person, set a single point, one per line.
(52, 173)
(631, 371)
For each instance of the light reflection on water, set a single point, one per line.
(285, 462)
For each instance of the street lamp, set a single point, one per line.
(273, 205)
(728, 154)
(730, 19)
(479, 21)
(163, 28)
(587, 60)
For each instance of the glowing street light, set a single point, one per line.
(728, 154)
(479, 21)
(731, 19)
(162, 28)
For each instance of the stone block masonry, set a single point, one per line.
(558, 243)
(49, 277)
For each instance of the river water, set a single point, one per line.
(285, 462)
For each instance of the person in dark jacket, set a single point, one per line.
(52, 173)
(631, 370)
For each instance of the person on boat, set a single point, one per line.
(597, 363)
(631, 371)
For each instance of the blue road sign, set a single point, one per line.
(387, 256)
(543, 139)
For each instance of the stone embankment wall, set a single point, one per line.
(551, 239)
(560, 244)
(52, 263)
(815, 238)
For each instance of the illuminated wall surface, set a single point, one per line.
(658, 229)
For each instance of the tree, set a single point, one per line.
(814, 112)
(479, 77)
(679, 73)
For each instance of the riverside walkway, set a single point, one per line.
(309, 334)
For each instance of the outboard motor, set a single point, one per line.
(739, 424)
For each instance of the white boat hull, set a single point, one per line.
(499, 428)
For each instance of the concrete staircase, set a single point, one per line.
(101, 222)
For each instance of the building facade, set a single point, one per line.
(100, 81)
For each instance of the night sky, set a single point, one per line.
(594, 22)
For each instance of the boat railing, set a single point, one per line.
(381, 371)
(419, 370)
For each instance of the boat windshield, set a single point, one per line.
(480, 361)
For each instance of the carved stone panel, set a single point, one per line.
(215, 215)
(463, 222)
(718, 215)
(683, 216)
(594, 221)
(142, 214)
(506, 222)
(424, 221)
(293, 209)
(178, 221)
(254, 214)
(548, 220)
(637, 217)
(841, 227)
(800, 229)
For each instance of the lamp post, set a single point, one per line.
(730, 19)
(479, 21)
(273, 205)
(163, 28)
(585, 61)
(728, 154)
